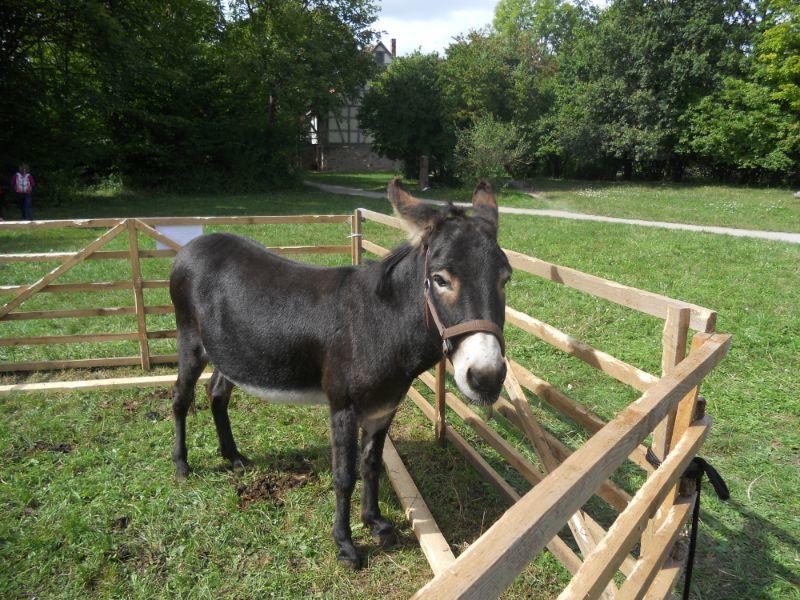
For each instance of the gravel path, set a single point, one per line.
(780, 236)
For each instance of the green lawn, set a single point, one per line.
(773, 209)
(90, 506)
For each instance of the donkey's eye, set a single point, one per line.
(440, 281)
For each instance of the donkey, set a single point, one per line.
(354, 337)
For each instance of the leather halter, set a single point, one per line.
(454, 331)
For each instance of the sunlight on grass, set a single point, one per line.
(90, 507)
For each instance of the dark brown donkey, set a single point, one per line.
(354, 337)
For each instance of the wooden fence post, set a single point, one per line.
(355, 235)
(676, 332)
(441, 401)
(138, 296)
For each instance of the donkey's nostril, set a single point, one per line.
(486, 381)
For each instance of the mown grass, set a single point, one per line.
(772, 209)
(90, 507)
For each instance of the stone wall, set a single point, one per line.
(355, 157)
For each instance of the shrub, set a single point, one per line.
(490, 149)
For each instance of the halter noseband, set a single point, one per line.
(448, 333)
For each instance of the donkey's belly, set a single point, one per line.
(284, 396)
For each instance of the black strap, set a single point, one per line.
(696, 469)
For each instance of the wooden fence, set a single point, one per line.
(134, 255)
(669, 409)
(654, 517)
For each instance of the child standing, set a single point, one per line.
(23, 185)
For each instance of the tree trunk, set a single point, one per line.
(424, 182)
(627, 170)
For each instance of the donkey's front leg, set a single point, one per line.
(344, 440)
(373, 437)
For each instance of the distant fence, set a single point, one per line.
(132, 227)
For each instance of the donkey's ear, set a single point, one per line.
(484, 205)
(416, 216)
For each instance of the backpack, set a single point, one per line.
(23, 183)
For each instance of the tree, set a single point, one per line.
(406, 112)
(637, 72)
(179, 92)
(751, 124)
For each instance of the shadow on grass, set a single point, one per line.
(740, 563)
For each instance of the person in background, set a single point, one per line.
(23, 185)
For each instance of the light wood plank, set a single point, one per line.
(556, 545)
(374, 248)
(618, 369)
(31, 289)
(674, 426)
(515, 458)
(69, 314)
(156, 235)
(161, 309)
(536, 435)
(434, 545)
(441, 402)
(67, 288)
(490, 564)
(58, 224)
(371, 215)
(608, 491)
(601, 564)
(89, 385)
(82, 338)
(665, 581)
(646, 570)
(557, 399)
(355, 237)
(162, 335)
(138, 297)
(571, 408)
(154, 221)
(702, 319)
(80, 363)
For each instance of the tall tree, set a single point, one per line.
(406, 111)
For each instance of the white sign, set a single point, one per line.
(183, 234)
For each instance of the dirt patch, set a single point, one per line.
(272, 487)
(31, 507)
(50, 447)
(120, 523)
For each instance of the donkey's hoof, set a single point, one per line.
(182, 471)
(349, 558)
(385, 538)
(384, 535)
(240, 462)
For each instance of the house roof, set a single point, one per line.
(380, 46)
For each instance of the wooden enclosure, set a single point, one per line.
(669, 409)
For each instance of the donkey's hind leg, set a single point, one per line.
(373, 437)
(219, 391)
(191, 362)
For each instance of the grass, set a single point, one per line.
(90, 507)
(772, 209)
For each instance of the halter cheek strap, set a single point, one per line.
(448, 333)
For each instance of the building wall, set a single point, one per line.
(355, 157)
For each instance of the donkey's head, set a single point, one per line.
(466, 274)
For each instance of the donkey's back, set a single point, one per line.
(246, 310)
